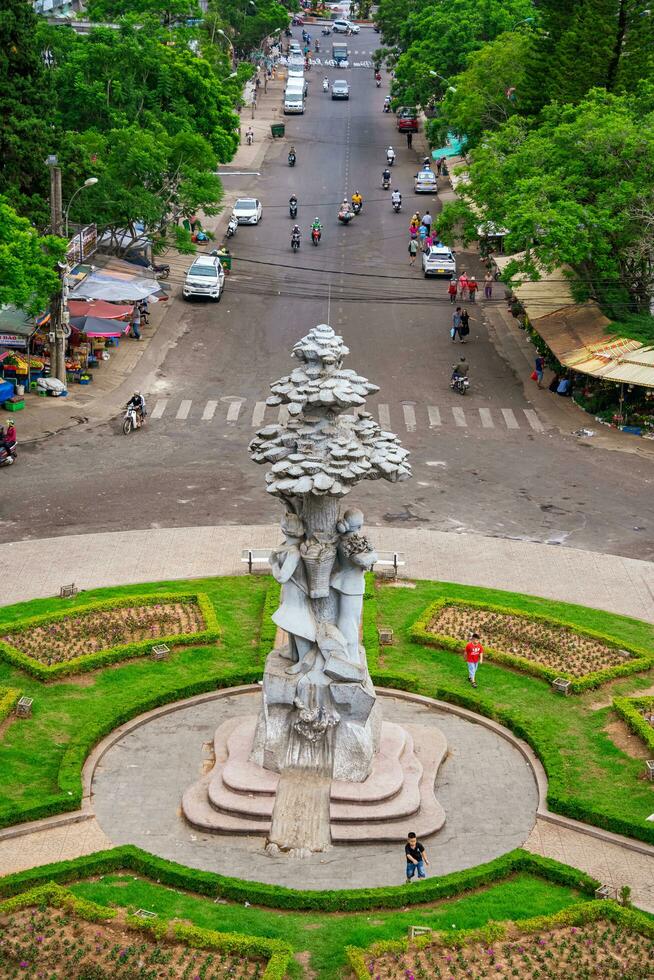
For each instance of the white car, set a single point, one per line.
(205, 278)
(425, 182)
(248, 211)
(345, 27)
(438, 261)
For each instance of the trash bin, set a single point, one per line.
(225, 260)
(277, 129)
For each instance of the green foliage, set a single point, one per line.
(167, 12)
(268, 629)
(102, 658)
(245, 24)
(629, 710)
(8, 698)
(28, 262)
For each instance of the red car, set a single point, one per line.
(407, 121)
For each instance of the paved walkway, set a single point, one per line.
(37, 568)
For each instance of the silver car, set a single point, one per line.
(340, 89)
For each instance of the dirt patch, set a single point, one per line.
(607, 701)
(5, 723)
(304, 959)
(622, 737)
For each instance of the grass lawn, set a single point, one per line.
(582, 762)
(324, 937)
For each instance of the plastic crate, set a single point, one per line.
(14, 406)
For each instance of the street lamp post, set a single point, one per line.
(231, 46)
(89, 182)
(525, 20)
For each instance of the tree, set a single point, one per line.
(487, 93)
(25, 136)
(578, 191)
(166, 12)
(28, 262)
(246, 22)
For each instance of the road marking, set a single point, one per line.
(233, 411)
(459, 416)
(209, 410)
(409, 418)
(434, 416)
(384, 417)
(486, 418)
(533, 420)
(510, 419)
(258, 413)
(184, 409)
(159, 408)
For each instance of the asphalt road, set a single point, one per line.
(485, 463)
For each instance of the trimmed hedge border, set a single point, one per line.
(8, 698)
(69, 777)
(126, 651)
(576, 915)
(628, 709)
(419, 633)
(277, 952)
(208, 883)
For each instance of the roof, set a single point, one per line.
(13, 321)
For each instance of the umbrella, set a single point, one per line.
(93, 326)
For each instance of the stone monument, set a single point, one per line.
(318, 764)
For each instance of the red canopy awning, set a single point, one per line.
(100, 309)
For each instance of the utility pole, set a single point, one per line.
(58, 305)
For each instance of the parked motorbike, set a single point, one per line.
(8, 456)
(459, 384)
(315, 236)
(295, 243)
(291, 159)
(232, 226)
(131, 420)
(161, 271)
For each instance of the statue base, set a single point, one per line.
(238, 795)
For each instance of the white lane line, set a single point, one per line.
(510, 419)
(533, 420)
(209, 410)
(258, 413)
(159, 408)
(233, 411)
(486, 418)
(434, 417)
(409, 417)
(459, 416)
(384, 416)
(184, 409)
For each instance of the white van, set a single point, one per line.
(205, 278)
(293, 103)
(297, 85)
(295, 71)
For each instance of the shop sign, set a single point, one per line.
(12, 340)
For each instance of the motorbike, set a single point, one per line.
(326, 31)
(397, 206)
(249, 138)
(390, 159)
(460, 384)
(8, 456)
(387, 105)
(316, 235)
(295, 243)
(292, 209)
(345, 217)
(291, 159)
(386, 182)
(317, 45)
(161, 270)
(325, 85)
(232, 226)
(378, 82)
(288, 32)
(356, 207)
(131, 420)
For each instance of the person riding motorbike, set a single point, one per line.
(292, 156)
(249, 136)
(396, 198)
(296, 234)
(9, 438)
(316, 45)
(460, 370)
(387, 104)
(357, 201)
(137, 402)
(390, 156)
(386, 179)
(325, 84)
(345, 211)
(378, 79)
(317, 225)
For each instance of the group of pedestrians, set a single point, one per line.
(421, 235)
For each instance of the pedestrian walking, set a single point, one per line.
(488, 285)
(474, 657)
(452, 289)
(463, 285)
(409, 140)
(422, 233)
(439, 166)
(415, 221)
(465, 325)
(416, 857)
(413, 232)
(427, 220)
(472, 289)
(427, 244)
(413, 251)
(539, 367)
(136, 322)
(456, 324)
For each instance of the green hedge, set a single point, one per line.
(575, 915)
(69, 777)
(130, 858)
(8, 698)
(125, 651)
(558, 799)
(369, 624)
(420, 633)
(277, 952)
(628, 709)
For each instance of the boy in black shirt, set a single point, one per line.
(416, 858)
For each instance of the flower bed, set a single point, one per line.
(50, 933)
(105, 632)
(638, 714)
(538, 645)
(599, 939)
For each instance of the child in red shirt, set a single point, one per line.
(474, 657)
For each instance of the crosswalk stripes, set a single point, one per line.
(409, 417)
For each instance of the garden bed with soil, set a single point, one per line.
(555, 647)
(79, 634)
(50, 942)
(601, 948)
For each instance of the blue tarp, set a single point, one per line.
(452, 148)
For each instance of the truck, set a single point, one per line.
(339, 51)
